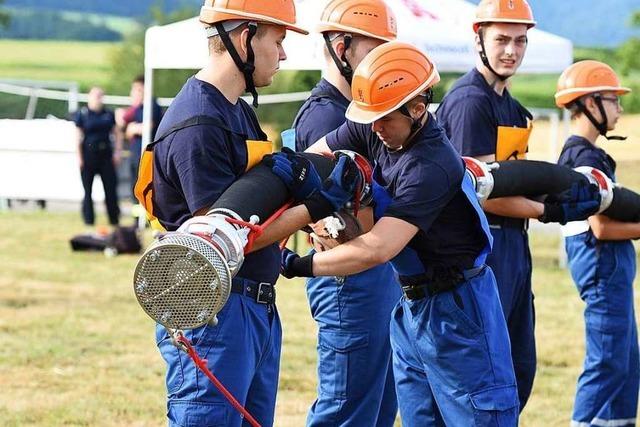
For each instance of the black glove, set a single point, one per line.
(577, 203)
(336, 190)
(292, 265)
(297, 173)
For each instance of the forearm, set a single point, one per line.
(288, 223)
(604, 228)
(352, 257)
(514, 207)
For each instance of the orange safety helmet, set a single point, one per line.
(276, 12)
(369, 18)
(585, 77)
(507, 11)
(388, 77)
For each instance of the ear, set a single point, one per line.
(338, 47)
(418, 110)
(244, 36)
(477, 43)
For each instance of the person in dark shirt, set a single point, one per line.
(133, 128)
(192, 166)
(601, 256)
(97, 156)
(448, 335)
(484, 121)
(352, 312)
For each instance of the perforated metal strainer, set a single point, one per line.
(182, 281)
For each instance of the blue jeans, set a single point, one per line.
(451, 358)
(242, 351)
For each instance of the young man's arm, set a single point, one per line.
(605, 228)
(385, 240)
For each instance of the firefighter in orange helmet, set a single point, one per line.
(208, 138)
(484, 121)
(352, 312)
(602, 259)
(451, 355)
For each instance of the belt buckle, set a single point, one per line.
(259, 299)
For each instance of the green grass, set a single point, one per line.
(84, 62)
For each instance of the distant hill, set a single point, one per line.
(114, 7)
(588, 23)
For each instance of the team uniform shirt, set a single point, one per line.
(424, 183)
(195, 165)
(326, 101)
(472, 111)
(580, 152)
(97, 126)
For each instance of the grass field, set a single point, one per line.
(84, 62)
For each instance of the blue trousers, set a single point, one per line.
(355, 376)
(607, 391)
(510, 261)
(451, 358)
(242, 351)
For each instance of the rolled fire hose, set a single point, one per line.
(532, 178)
(184, 278)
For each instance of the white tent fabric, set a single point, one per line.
(442, 28)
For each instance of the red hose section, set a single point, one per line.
(202, 365)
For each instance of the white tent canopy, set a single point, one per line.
(442, 28)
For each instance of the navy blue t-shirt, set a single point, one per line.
(97, 126)
(195, 165)
(578, 151)
(424, 183)
(320, 114)
(471, 112)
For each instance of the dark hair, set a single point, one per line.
(139, 79)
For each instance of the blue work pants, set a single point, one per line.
(451, 358)
(355, 378)
(510, 261)
(242, 351)
(607, 390)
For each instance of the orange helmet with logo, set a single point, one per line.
(369, 18)
(276, 12)
(388, 77)
(585, 77)
(507, 11)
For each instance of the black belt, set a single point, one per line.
(496, 221)
(261, 292)
(433, 287)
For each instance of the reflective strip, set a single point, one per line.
(574, 228)
(605, 423)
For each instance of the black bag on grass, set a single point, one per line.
(124, 240)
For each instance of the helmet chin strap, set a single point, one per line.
(600, 126)
(343, 65)
(246, 67)
(416, 123)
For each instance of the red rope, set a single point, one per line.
(257, 230)
(202, 364)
